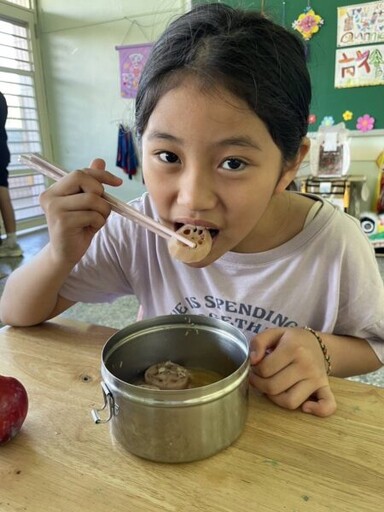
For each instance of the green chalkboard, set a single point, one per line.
(327, 100)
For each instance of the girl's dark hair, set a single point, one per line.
(253, 58)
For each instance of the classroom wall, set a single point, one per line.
(81, 68)
(364, 147)
(78, 39)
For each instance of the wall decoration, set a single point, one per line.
(347, 115)
(327, 121)
(308, 23)
(359, 66)
(365, 123)
(132, 59)
(360, 24)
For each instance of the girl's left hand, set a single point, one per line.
(288, 366)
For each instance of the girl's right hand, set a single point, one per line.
(75, 210)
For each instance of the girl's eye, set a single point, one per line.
(233, 164)
(168, 157)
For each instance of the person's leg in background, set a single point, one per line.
(9, 247)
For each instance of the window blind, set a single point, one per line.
(22, 3)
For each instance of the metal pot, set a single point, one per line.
(178, 425)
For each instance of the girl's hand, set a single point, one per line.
(288, 366)
(75, 210)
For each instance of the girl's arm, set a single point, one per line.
(31, 293)
(350, 356)
(75, 211)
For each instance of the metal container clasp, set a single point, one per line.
(109, 404)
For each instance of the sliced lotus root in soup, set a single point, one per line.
(202, 238)
(167, 375)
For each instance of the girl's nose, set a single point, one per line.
(196, 190)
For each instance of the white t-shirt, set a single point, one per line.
(325, 277)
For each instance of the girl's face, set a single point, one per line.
(209, 160)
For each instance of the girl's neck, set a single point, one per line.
(283, 220)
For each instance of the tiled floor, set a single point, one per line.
(122, 312)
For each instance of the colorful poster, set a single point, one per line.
(360, 24)
(360, 66)
(132, 60)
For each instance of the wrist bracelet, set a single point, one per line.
(327, 357)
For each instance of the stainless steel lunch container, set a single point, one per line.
(179, 425)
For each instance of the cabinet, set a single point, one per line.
(347, 191)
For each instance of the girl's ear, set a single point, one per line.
(290, 170)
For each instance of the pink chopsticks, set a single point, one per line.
(55, 173)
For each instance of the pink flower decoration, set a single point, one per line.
(365, 123)
(312, 119)
(308, 24)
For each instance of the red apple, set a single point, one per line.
(13, 407)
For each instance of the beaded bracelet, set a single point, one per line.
(327, 357)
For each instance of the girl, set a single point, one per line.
(222, 113)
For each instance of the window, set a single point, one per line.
(22, 3)
(18, 84)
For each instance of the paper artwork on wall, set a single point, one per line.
(360, 24)
(347, 115)
(359, 66)
(308, 23)
(365, 123)
(132, 59)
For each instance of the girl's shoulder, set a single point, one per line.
(330, 227)
(144, 204)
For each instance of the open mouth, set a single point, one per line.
(212, 232)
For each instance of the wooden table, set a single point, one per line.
(284, 461)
